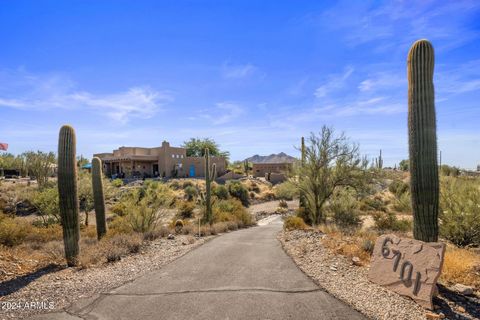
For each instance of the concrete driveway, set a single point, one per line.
(239, 275)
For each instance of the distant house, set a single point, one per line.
(164, 161)
(261, 169)
(273, 168)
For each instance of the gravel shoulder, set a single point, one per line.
(60, 287)
(338, 276)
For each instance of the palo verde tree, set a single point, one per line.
(196, 148)
(330, 162)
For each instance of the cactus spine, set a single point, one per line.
(98, 197)
(67, 193)
(209, 177)
(422, 139)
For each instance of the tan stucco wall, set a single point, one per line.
(260, 169)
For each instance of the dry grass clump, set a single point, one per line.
(294, 223)
(461, 266)
(358, 244)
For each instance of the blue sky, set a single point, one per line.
(253, 75)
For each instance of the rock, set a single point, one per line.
(333, 268)
(170, 237)
(431, 315)
(463, 289)
(408, 267)
(356, 261)
(461, 309)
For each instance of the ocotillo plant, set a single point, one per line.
(98, 197)
(422, 140)
(67, 193)
(209, 177)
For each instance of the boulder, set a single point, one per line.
(408, 267)
(463, 289)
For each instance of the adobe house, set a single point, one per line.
(165, 161)
(273, 172)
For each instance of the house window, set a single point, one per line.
(173, 156)
(181, 156)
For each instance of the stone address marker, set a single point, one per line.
(407, 266)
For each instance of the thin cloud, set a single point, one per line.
(240, 71)
(34, 92)
(224, 112)
(334, 82)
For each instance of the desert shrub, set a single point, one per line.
(175, 185)
(294, 223)
(12, 231)
(119, 209)
(372, 204)
(117, 183)
(119, 225)
(403, 203)
(131, 243)
(191, 193)
(187, 184)
(461, 265)
(398, 187)
(460, 211)
(238, 190)
(368, 245)
(389, 221)
(343, 208)
(43, 234)
(47, 203)
(55, 250)
(285, 191)
(185, 209)
(220, 227)
(253, 186)
(232, 225)
(221, 192)
(231, 210)
(283, 204)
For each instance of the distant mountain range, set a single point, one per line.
(273, 158)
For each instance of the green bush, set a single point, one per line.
(238, 190)
(191, 193)
(285, 191)
(231, 210)
(460, 211)
(389, 221)
(403, 203)
(12, 232)
(221, 192)
(372, 204)
(47, 203)
(175, 185)
(398, 187)
(187, 184)
(185, 209)
(344, 211)
(117, 183)
(294, 223)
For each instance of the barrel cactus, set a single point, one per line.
(98, 197)
(422, 139)
(67, 193)
(209, 177)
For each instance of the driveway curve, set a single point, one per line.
(239, 275)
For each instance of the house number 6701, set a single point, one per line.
(406, 268)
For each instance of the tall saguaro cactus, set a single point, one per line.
(422, 140)
(380, 160)
(209, 177)
(98, 197)
(246, 167)
(67, 193)
(302, 200)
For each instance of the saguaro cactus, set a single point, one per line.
(302, 200)
(380, 160)
(67, 193)
(209, 177)
(98, 197)
(422, 140)
(246, 167)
